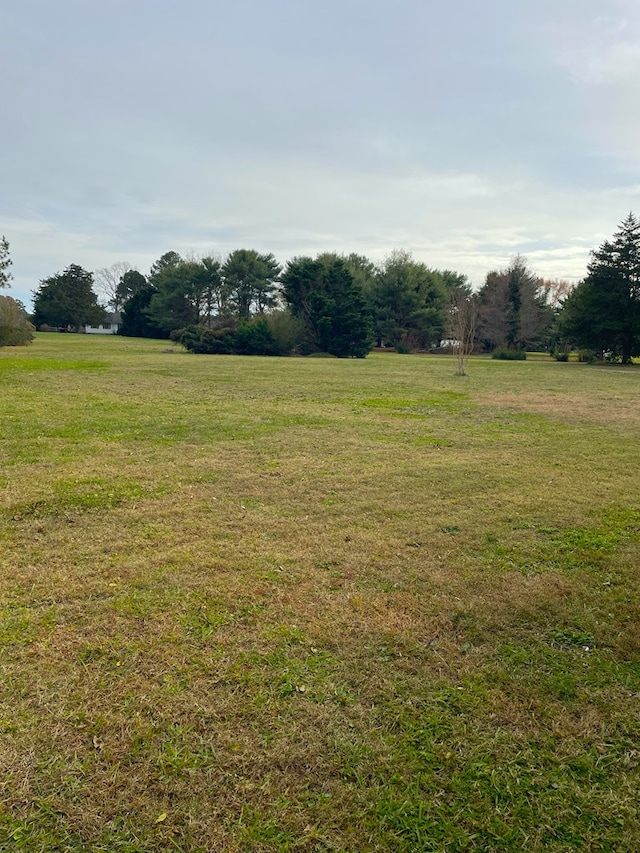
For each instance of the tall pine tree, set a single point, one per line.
(603, 311)
(325, 296)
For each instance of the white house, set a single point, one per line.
(108, 327)
(450, 344)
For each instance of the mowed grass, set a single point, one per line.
(316, 605)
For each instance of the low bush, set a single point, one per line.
(506, 354)
(200, 340)
(254, 338)
(560, 355)
(588, 356)
(15, 328)
(247, 338)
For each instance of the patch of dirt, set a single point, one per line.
(622, 413)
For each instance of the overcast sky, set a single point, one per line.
(463, 131)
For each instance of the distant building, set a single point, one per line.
(450, 344)
(110, 326)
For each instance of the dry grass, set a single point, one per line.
(608, 409)
(252, 604)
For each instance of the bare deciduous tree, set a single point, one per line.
(555, 290)
(107, 280)
(463, 314)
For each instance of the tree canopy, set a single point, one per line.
(603, 311)
(250, 281)
(513, 311)
(186, 292)
(324, 295)
(67, 300)
(175, 302)
(409, 301)
(135, 321)
(129, 283)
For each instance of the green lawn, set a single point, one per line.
(316, 604)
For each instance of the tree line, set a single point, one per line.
(344, 305)
(339, 304)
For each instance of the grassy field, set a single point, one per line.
(315, 604)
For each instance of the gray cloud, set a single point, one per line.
(465, 133)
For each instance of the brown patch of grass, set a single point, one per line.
(617, 413)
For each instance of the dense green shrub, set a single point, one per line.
(560, 355)
(287, 331)
(247, 338)
(15, 328)
(199, 339)
(588, 356)
(506, 354)
(254, 338)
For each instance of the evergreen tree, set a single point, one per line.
(325, 296)
(250, 281)
(177, 301)
(166, 261)
(515, 275)
(135, 321)
(129, 283)
(67, 300)
(603, 311)
(410, 302)
(186, 292)
(213, 290)
(513, 311)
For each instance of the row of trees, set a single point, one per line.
(338, 304)
(344, 304)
